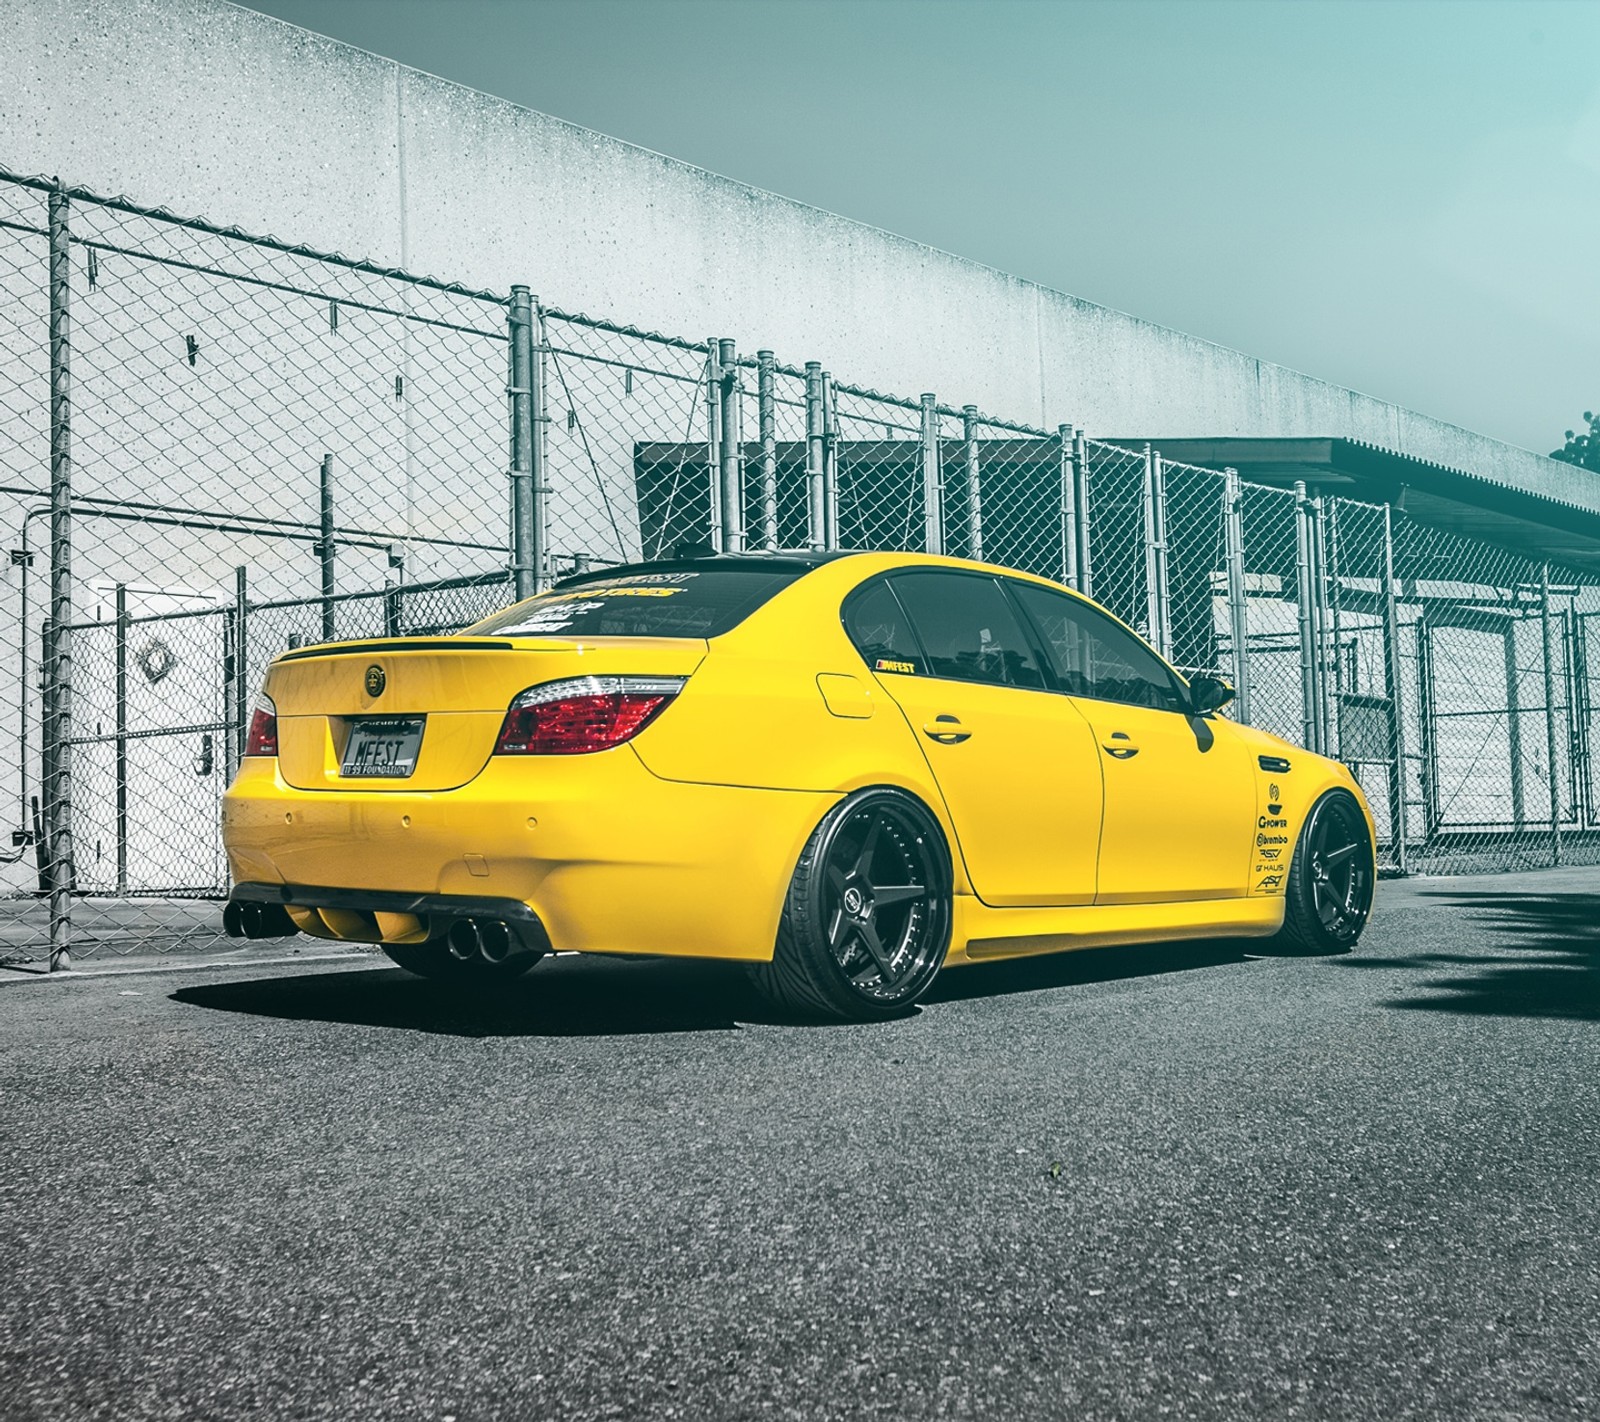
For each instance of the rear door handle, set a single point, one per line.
(1120, 746)
(947, 730)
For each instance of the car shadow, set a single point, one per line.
(578, 996)
(1084, 966)
(1540, 957)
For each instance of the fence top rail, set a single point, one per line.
(238, 234)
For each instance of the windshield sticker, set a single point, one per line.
(885, 664)
(625, 592)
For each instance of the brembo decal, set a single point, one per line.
(1272, 839)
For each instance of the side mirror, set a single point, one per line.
(1208, 694)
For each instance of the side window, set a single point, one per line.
(967, 629)
(1093, 656)
(875, 623)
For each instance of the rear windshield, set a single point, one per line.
(703, 602)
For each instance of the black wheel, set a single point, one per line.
(435, 961)
(866, 924)
(1329, 893)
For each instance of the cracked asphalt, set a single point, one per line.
(1181, 1182)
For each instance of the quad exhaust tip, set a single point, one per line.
(487, 938)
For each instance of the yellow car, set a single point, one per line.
(845, 769)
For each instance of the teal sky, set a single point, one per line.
(1399, 197)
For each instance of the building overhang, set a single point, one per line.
(1457, 500)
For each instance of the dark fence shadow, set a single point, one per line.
(1540, 957)
(600, 997)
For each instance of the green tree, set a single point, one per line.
(1582, 449)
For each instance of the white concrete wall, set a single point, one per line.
(231, 115)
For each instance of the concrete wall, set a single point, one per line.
(225, 113)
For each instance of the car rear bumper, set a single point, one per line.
(604, 855)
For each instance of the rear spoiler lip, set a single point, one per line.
(403, 644)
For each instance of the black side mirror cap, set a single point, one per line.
(1208, 694)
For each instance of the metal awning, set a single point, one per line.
(1458, 500)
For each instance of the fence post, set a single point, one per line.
(767, 417)
(524, 568)
(830, 463)
(1550, 716)
(731, 448)
(1519, 809)
(1068, 506)
(1147, 508)
(121, 693)
(932, 479)
(1158, 469)
(1080, 473)
(1305, 596)
(1157, 612)
(57, 751)
(1393, 674)
(816, 516)
(325, 550)
(969, 436)
(713, 398)
(239, 711)
(1238, 602)
(1319, 585)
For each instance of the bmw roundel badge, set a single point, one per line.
(376, 680)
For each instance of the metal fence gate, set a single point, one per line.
(214, 447)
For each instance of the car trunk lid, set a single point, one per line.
(442, 699)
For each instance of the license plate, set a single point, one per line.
(382, 747)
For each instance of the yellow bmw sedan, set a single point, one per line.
(846, 769)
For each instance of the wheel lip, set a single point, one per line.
(936, 855)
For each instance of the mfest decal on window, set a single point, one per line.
(886, 664)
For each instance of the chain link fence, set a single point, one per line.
(215, 446)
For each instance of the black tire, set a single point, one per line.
(866, 923)
(433, 960)
(1331, 878)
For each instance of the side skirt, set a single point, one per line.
(983, 933)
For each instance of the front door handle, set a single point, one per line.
(947, 730)
(1120, 746)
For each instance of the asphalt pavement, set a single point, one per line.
(1168, 1182)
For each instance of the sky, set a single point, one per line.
(1403, 198)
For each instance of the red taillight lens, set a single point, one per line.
(583, 714)
(263, 735)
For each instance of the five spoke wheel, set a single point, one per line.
(867, 921)
(1330, 884)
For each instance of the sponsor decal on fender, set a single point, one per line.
(1265, 822)
(1272, 839)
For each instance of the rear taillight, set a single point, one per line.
(262, 738)
(583, 714)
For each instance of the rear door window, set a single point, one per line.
(967, 629)
(877, 624)
(670, 602)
